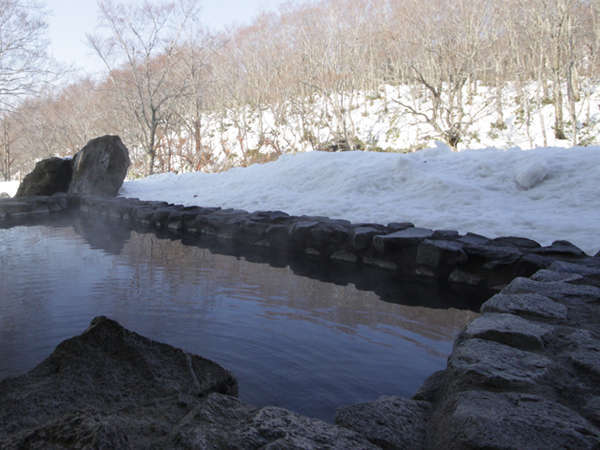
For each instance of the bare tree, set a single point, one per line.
(140, 50)
(24, 63)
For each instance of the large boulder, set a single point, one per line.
(49, 176)
(103, 388)
(100, 167)
(112, 388)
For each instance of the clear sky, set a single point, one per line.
(70, 20)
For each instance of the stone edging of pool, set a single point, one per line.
(524, 374)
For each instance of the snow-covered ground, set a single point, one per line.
(545, 194)
(10, 187)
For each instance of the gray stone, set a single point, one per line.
(508, 329)
(48, 177)
(591, 409)
(389, 422)
(399, 226)
(480, 419)
(100, 167)
(111, 375)
(474, 239)
(4, 195)
(494, 255)
(362, 236)
(445, 234)
(345, 256)
(323, 236)
(220, 421)
(556, 289)
(516, 242)
(437, 253)
(584, 350)
(478, 362)
(399, 239)
(552, 275)
(560, 248)
(535, 305)
(431, 387)
(574, 267)
(461, 276)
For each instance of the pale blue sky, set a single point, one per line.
(72, 19)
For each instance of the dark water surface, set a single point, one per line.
(291, 340)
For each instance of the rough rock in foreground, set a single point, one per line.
(112, 388)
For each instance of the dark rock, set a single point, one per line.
(107, 387)
(361, 237)
(575, 267)
(270, 217)
(529, 304)
(493, 255)
(490, 420)
(478, 362)
(592, 409)
(556, 290)
(323, 236)
(100, 167)
(277, 236)
(474, 239)
(48, 177)
(445, 234)
(250, 232)
(400, 239)
(389, 422)
(584, 350)
(398, 226)
(561, 248)
(432, 386)
(553, 275)
(222, 222)
(530, 263)
(519, 242)
(508, 329)
(220, 421)
(437, 253)
(461, 276)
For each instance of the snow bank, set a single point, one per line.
(10, 187)
(544, 194)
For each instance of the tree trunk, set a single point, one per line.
(559, 132)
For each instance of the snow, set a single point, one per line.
(544, 194)
(10, 187)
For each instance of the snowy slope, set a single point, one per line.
(10, 187)
(544, 194)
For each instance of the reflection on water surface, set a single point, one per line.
(293, 341)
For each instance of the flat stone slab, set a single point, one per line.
(554, 289)
(490, 420)
(508, 329)
(477, 362)
(403, 238)
(389, 422)
(547, 275)
(535, 305)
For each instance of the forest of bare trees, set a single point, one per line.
(183, 98)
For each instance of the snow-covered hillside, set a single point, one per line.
(381, 121)
(10, 187)
(545, 194)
